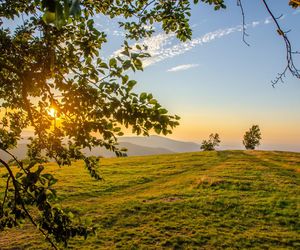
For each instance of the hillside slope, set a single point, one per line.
(203, 200)
(135, 145)
(156, 141)
(132, 150)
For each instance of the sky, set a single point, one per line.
(218, 84)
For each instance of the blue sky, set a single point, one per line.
(218, 84)
(215, 82)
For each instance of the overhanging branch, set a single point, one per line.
(290, 66)
(17, 194)
(239, 3)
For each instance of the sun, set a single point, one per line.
(52, 112)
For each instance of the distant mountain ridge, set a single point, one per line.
(136, 146)
(132, 150)
(155, 141)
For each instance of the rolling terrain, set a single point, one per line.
(135, 145)
(155, 141)
(199, 200)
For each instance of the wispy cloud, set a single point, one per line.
(255, 23)
(267, 20)
(183, 67)
(161, 48)
(118, 33)
(156, 45)
(296, 12)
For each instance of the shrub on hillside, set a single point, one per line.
(211, 143)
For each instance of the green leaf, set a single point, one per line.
(143, 96)
(112, 63)
(131, 84)
(153, 101)
(157, 129)
(48, 17)
(103, 65)
(125, 79)
(90, 23)
(163, 111)
(126, 64)
(18, 175)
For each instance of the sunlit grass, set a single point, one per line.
(207, 200)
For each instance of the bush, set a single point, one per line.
(252, 137)
(211, 143)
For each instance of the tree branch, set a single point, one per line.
(5, 194)
(16, 160)
(17, 194)
(289, 52)
(239, 3)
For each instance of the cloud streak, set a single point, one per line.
(267, 20)
(159, 50)
(255, 23)
(182, 67)
(164, 46)
(296, 12)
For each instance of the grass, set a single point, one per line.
(205, 200)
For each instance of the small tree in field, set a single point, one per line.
(252, 137)
(211, 143)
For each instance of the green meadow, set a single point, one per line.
(203, 200)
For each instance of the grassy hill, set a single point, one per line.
(205, 200)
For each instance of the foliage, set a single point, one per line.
(199, 200)
(252, 137)
(53, 61)
(211, 143)
(294, 3)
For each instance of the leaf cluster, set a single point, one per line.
(294, 3)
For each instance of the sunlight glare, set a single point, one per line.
(52, 112)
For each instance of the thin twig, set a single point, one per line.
(5, 193)
(16, 160)
(239, 3)
(289, 52)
